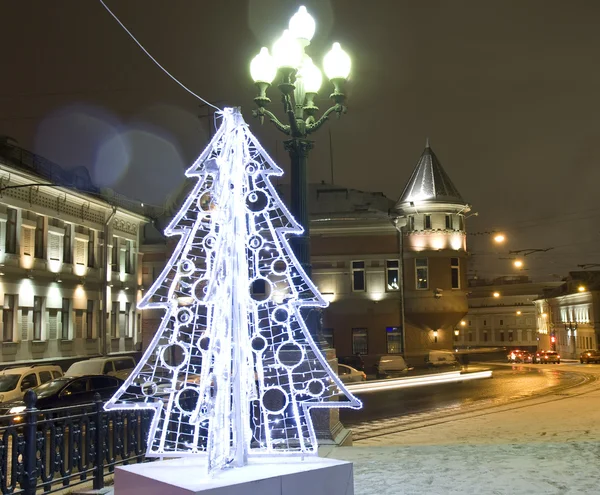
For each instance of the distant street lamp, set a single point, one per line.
(499, 238)
(299, 82)
(518, 264)
(496, 294)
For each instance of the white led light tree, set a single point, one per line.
(232, 371)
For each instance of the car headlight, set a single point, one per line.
(17, 409)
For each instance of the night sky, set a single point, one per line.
(507, 92)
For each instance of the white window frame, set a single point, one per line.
(389, 269)
(426, 268)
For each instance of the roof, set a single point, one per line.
(430, 182)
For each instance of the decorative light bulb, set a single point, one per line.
(311, 75)
(262, 67)
(287, 52)
(302, 25)
(337, 63)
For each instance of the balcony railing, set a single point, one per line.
(52, 449)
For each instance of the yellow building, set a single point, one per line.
(70, 273)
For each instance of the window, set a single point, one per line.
(449, 222)
(29, 381)
(394, 340)
(113, 319)
(124, 364)
(427, 221)
(485, 336)
(39, 237)
(67, 250)
(358, 276)
(45, 376)
(501, 322)
(77, 387)
(103, 382)
(460, 222)
(455, 272)
(328, 336)
(79, 323)
(469, 322)
(501, 336)
(91, 248)
(108, 368)
(115, 255)
(8, 317)
(360, 343)
(89, 319)
(128, 251)
(11, 231)
(470, 336)
(484, 323)
(56, 374)
(127, 319)
(422, 273)
(510, 336)
(64, 318)
(37, 318)
(411, 223)
(393, 274)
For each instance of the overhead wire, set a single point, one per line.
(156, 61)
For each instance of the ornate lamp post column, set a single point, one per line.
(299, 81)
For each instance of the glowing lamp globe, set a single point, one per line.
(302, 25)
(287, 52)
(311, 76)
(337, 63)
(262, 67)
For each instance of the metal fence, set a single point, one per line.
(47, 451)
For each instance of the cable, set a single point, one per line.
(155, 61)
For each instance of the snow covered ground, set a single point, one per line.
(545, 445)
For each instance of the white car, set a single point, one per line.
(14, 382)
(119, 366)
(348, 374)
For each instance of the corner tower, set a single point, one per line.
(430, 216)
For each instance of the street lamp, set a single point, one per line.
(299, 81)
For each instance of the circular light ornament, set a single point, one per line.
(263, 67)
(287, 51)
(337, 63)
(302, 25)
(311, 76)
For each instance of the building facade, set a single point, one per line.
(568, 316)
(69, 264)
(430, 216)
(502, 313)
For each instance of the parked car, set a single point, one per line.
(14, 382)
(68, 391)
(519, 356)
(119, 366)
(437, 359)
(545, 357)
(348, 374)
(590, 356)
(355, 361)
(391, 365)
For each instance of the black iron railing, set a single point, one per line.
(46, 451)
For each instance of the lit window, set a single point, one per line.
(422, 273)
(393, 274)
(360, 344)
(394, 340)
(455, 272)
(358, 276)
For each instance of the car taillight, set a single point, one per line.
(364, 375)
(558, 356)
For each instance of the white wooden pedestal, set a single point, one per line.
(286, 476)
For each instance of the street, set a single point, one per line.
(388, 411)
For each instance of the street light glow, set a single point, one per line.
(287, 52)
(311, 75)
(463, 323)
(499, 238)
(519, 313)
(518, 264)
(337, 63)
(302, 25)
(496, 294)
(581, 288)
(262, 67)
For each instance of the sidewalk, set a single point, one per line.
(548, 445)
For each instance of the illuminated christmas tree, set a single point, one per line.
(232, 371)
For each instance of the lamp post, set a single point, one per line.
(299, 81)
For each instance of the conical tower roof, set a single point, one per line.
(429, 182)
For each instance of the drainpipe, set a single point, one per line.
(105, 274)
